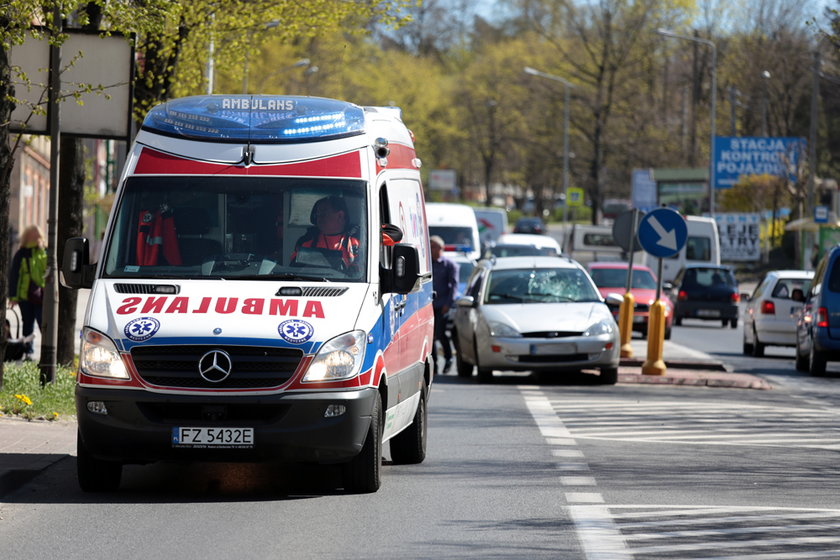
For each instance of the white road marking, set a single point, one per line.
(764, 529)
(584, 498)
(561, 441)
(568, 453)
(734, 544)
(598, 535)
(577, 480)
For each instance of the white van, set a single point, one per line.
(457, 225)
(701, 247)
(264, 292)
(588, 243)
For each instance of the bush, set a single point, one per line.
(23, 396)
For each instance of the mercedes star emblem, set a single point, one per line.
(215, 366)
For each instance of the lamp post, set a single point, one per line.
(712, 131)
(764, 103)
(566, 87)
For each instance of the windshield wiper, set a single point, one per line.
(289, 276)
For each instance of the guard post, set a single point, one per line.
(662, 233)
(624, 234)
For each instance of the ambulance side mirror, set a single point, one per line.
(404, 271)
(76, 270)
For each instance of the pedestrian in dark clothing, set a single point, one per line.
(445, 283)
(26, 282)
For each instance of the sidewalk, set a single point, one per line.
(27, 448)
(685, 366)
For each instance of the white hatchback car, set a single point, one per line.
(542, 242)
(770, 313)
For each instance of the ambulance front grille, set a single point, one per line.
(251, 367)
(147, 288)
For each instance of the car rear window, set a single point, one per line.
(834, 277)
(617, 278)
(708, 277)
(785, 286)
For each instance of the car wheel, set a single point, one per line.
(96, 475)
(667, 333)
(733, 323)
(801, 360)
(464, 369)
(757, 347)
(609, 375)
(362, 473)
(817, 362)
(747, 348)
(677, 320)
(409, 446)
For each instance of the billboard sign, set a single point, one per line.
(740, 238)
(442, 180)
(643, 188)
(737, 156)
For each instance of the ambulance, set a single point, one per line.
(263, 292)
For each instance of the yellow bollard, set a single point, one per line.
(625, 324)
(656, 340)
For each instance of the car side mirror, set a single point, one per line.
(746, 297)
(667, 287)
(465, 301)
(76, 270)
(614, 300)
(404, 273)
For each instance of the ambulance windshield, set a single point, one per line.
(240, 228)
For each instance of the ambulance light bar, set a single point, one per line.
(255, 118)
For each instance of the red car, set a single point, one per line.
(611, 278)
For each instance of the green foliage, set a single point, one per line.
(22, 394)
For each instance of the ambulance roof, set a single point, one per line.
(256, 118)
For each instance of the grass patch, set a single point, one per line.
(23, 396)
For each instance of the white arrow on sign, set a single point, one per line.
(667, 239)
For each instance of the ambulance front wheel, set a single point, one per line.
(362, 473)
(409, 446)
(96, 475)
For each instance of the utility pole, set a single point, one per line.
(49, 326)
(812, 136)
(733, 101)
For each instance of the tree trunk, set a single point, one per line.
(70, 222)
(6, 164)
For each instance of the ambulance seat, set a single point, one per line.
(191, 225)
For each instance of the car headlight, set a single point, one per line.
(100, 357)
(502, 329)
(339, 358)
(601, 327)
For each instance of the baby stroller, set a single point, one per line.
(15, 347)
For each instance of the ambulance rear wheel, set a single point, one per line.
(95, 475)
(362, 474)
(409, 446)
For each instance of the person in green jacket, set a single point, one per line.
(26, 282)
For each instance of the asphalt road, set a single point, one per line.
(515, 469)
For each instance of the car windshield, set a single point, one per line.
(460, 237)
(239, 228)
(540, 285)
(617, 278)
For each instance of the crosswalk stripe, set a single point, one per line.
(764, 529)
(687, 547)
(809, 555)
(661, 523)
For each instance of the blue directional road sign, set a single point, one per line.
(662, 232)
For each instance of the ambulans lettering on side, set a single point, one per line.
(263, 292)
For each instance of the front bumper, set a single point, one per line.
(287, 427)
(570, 353)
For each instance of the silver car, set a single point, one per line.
(771, 311)
(534, 313)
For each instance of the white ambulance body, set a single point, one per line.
(223, 324)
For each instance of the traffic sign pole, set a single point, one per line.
(628, 303)
(662, 233)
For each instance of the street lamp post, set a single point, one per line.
(566, 87)
(712, 131)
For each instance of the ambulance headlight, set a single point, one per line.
(100, 357)
(339, 358)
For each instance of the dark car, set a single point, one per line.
(707, 292)
(529, 225)
(818, 324)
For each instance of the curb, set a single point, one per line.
(693, 378)
(679, 364)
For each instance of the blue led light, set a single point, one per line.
(255, 118)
